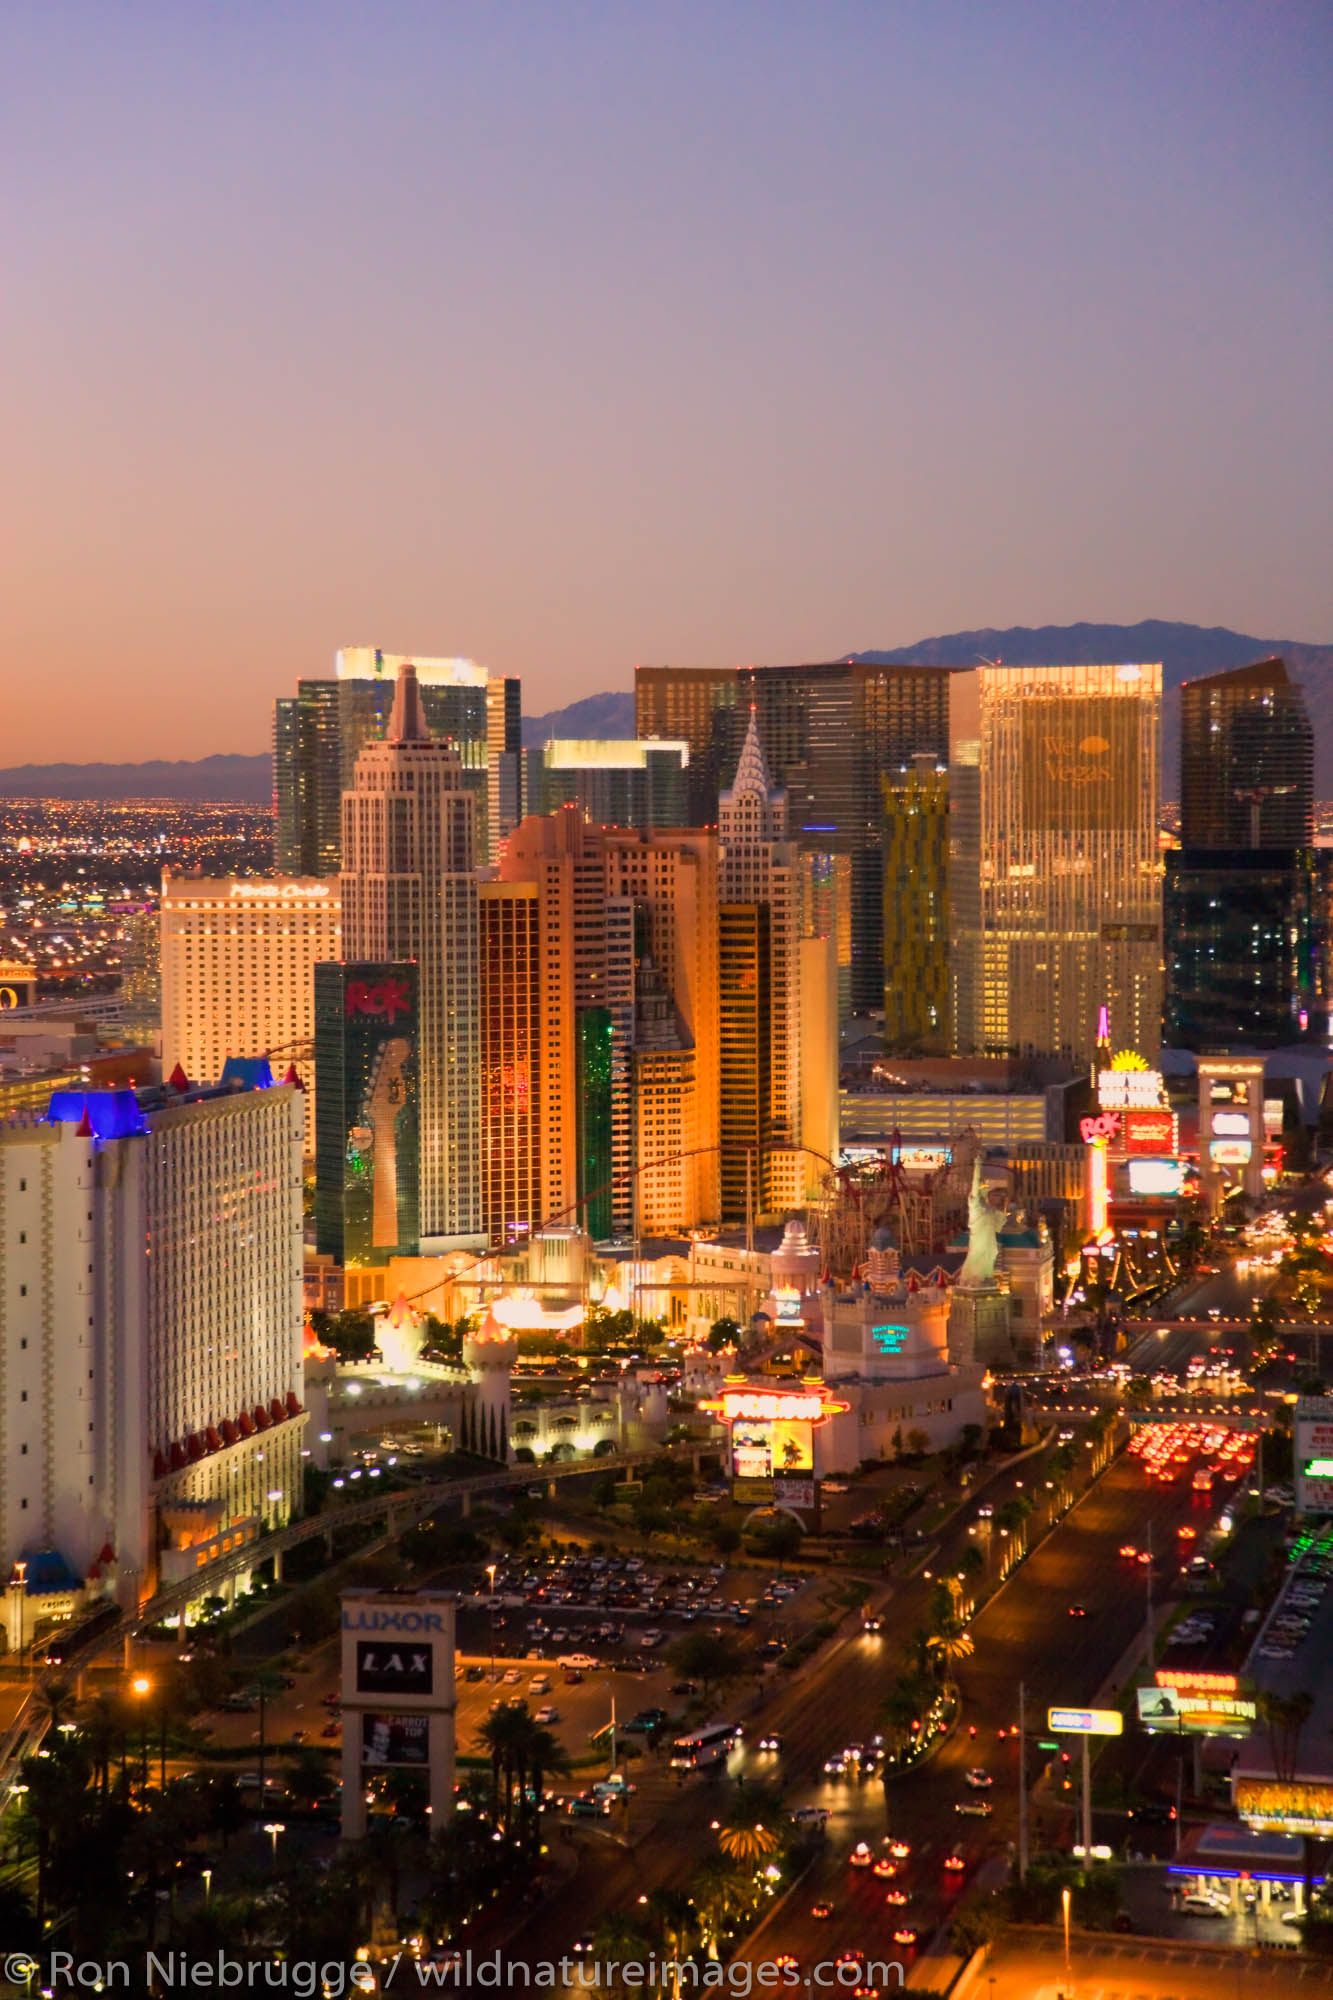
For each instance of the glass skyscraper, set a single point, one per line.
(1056, 896)
(1247, 894)
(320, 732)
(1246, 760)
(831, 731)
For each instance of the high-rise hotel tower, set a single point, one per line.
(1055, 880)
(409, 891)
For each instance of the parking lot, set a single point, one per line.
(626, 1609)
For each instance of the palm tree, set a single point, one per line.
(949, 1646)
(1286, 1717)
(618, 1942)
(544, 1757)
(506, 1735)
(721, 1896)
(101, 1729)
(748, 1844)
(750, 1836)
(55, 1701)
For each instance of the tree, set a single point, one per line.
(544, 1757)
(619, 1942)
(676, 1926)
(710, 1658)
(55, 1701)
(971, 1562)
(748, 1839)
(778, 1535)
(904, 1705)
(507, 1735)
(1285, 1717)
(948, 1647)
(723, 1896)
(722, 1333)
(918, 1444)
(102, 1731)
(351, 1335)
(308, 1778)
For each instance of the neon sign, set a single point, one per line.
(1193, 1683)
(389, 997)
(773, 1406)
(1104, 1125)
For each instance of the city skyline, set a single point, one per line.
(691, 338)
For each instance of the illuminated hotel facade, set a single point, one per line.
(409, 892)
(238, 971)
(918, 1013)
(150, 1314)
(515, 1105)
(1055, 876)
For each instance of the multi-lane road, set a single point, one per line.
(1027, 1633)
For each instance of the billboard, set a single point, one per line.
(1149, 1134)
(765, 1450)
(1182, 1712)
(1084, 1721)
(1159, 1177)
(1079, 761)
(366, 1160)
(1285, 1805)
(388, 1740)
(1230, 1152)
(1312, 1453)
(394, 1666)
(772, 1437)
(1129, 1089)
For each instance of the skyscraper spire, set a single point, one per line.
(407, 724)
(752, 770)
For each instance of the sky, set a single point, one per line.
(571, 335)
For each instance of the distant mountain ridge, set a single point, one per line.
(595, 715)
(1185, 651)
(221, 779)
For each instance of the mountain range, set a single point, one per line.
(1184, 650)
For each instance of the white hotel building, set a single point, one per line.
(238, 960)
(151, 1383)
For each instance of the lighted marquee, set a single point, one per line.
(772, 1439)
(1129, 1084)
(1292, 1806)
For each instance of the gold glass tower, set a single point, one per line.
(1068, 902)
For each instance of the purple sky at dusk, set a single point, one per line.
(568, 335)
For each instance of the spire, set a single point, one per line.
(752, 772)
(407, 724)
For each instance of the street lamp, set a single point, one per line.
(490, 1612)
(142, 1686)
(208, 1884)
(273, 1827)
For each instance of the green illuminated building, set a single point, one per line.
(917, 1013)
